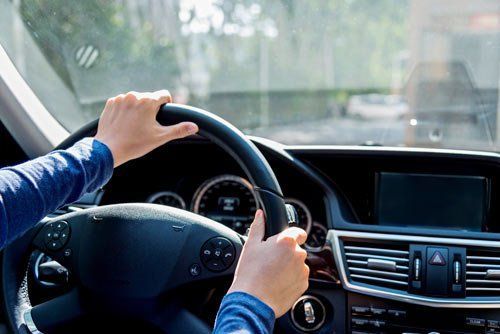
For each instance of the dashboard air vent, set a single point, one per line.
(483, 273)
(382, 265)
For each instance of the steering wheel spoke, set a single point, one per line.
(55, 313)
(172, 318)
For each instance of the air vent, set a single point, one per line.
(382, 265)
(483, 273)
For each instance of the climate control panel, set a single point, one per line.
(370, 315)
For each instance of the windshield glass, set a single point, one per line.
(421, 73)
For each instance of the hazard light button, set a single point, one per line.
(437, 259)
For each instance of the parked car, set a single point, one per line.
(373, 106)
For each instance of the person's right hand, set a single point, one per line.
(274, 270)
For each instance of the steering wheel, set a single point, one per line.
(129, 259)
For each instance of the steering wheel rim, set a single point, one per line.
(214, 128)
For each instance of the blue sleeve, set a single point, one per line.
(34, 189)
(243, 313)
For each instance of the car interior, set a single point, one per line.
(400, 199)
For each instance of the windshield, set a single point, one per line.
(421, 73)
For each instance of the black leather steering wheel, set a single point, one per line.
(129, 259)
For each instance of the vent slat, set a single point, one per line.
(483, 265)
(482, 289)
(379, 279)
(482, 273)
(486, 258)
(483, 281)
(379, 272)
(377, 250)
(375, 256)
(381, 265)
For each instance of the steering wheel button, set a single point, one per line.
(61, 225)
(217, 254)
(220, 242)
(215, 265)
(54, 245)
(195, 270)
(228, 257)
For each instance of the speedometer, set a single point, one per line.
(227, 199)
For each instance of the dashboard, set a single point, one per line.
(399, 239)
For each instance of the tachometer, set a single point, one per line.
(227, 199)
(317, 237)
(304, 215)
(168, 198)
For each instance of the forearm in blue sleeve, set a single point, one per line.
(34, 189)
(243, 313)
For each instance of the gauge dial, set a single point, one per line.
(227, 199)
(168, 198)
(304, 215)
(317, 237)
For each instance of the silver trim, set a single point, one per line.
(334, 237)
(28, 320)
(377, 264)
(492, 273)
(375, 256)
(157, 195)
(319, 324)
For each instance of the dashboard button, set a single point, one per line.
(377, 323)
(492, 331)
(396, 314)
(476, 322)
(493, 324)
(358, 322)
(360, 310)
(378, 311)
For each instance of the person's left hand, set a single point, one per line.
(128, 125)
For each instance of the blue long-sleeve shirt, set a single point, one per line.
(34, 189)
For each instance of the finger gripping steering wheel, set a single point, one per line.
(124, 259)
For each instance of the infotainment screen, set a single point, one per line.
(431, 201)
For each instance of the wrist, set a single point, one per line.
(234, 289)
(115, 153)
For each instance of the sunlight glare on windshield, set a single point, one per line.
(421, 73)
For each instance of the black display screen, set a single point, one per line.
(431, 201)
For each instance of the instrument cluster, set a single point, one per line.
(231, 200)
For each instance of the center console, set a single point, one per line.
(375, 315)
(415, 284)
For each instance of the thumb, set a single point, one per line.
(179, 130)
(258, 228)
